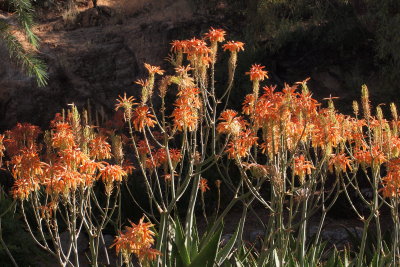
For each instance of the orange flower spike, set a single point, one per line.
(215, 35)
(391, 185)
(73, 157)
(143, 148)
(233, 46)
(378, 156)
(143, 83)
(248, 104)
(193, 44)
(99, 148)
(230, 123)
(178, 46)
(302, 167)
(153, 69)
(202, 49)
(160, 157)
(21, 136)
(126, 104)
(148, 254)
(239, 147)
(142, 118)
(90, 167)
(22, 188)
(340, 162)
(63, 136)
(112, 173)
(257, 73)
(128, 167)
(203, 186)
(137, 240)
(147, 88)
(183, 70)
(186, 112)
(27, 164)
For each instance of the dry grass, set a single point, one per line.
(69, 14)
(131, 6)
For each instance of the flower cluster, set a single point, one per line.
(186, 112)
(137, 239)
(68, 163)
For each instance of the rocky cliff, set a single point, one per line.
(94, 54)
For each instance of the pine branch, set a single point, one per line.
(24, 12)
(31, 64)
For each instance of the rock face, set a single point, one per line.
(96, 58)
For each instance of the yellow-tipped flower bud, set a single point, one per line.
(356, 109)
(365, 101)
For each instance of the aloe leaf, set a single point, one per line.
(207, 255)
(223, 254)
(182, 251)
(194, 249)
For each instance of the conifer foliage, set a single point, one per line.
(28, 60)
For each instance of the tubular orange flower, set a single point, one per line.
(230, 123)
(366, 157)
(302, 167)
(126, 104)
(189, 96)
(183, 70)
(73, 157)
(99, 148)
(248, 104)
(240, 146)
(137, 240)
(21, 136)
(148, 254)
(128, 167)
(63, 136)
(391, 185)
(215, 35)
(233, 46)
(143, 148)
(257, 73)
(196, 47)
(62, 181)
(58, 118)
(47, 210)
(340, 162)
(142, 82)
(90, 167)
(112, 173)
(203, 186)
(154, 69)
(27, 164)
(161, 156)
(185, 118)
(178, 45)
(186, 112)
(142, 118)
(22, 188)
